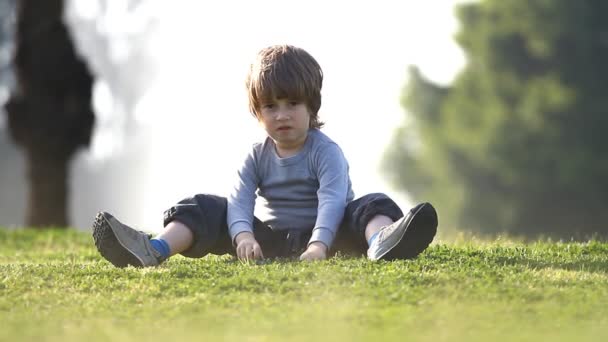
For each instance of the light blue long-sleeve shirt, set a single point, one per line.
(307, 191)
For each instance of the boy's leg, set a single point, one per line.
(204, 217)
(389, 234)
(194, 227)
(123, 245)
(405, 238)
(174, 239)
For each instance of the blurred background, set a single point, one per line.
(493, 111)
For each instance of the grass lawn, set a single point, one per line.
(54, 286)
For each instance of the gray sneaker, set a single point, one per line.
(122, 245)
(406, 237)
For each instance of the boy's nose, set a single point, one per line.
(282, 115)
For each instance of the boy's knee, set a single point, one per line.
(205, 216)
(363, 209)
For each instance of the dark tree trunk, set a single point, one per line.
(48, 194)
(49, 111)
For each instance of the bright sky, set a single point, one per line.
(196, 102)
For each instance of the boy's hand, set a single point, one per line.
(247, 248)
(315, 251)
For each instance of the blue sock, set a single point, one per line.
(372, 238)
(162, 247)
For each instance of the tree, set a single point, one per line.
(517, 143)
(49, 111)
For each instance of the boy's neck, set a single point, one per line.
(289, 151)
(286, 152)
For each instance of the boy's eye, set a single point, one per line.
(294, 103)
(268, 106)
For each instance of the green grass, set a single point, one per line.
(54, 286)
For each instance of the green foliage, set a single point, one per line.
(55, 287)
(516, 143)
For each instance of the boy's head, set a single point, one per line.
(285, 72)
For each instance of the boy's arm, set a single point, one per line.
(332, 172)
(241, 200)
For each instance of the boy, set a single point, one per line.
(302, 177)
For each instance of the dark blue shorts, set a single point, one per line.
(205, 216)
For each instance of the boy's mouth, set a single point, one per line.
(283, 128)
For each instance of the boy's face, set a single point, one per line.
(286, 122)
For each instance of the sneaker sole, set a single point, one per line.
(418, 234)
(108, 246)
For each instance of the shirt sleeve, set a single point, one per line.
(241, 200)
(332, 172)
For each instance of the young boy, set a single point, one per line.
(302, 177)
